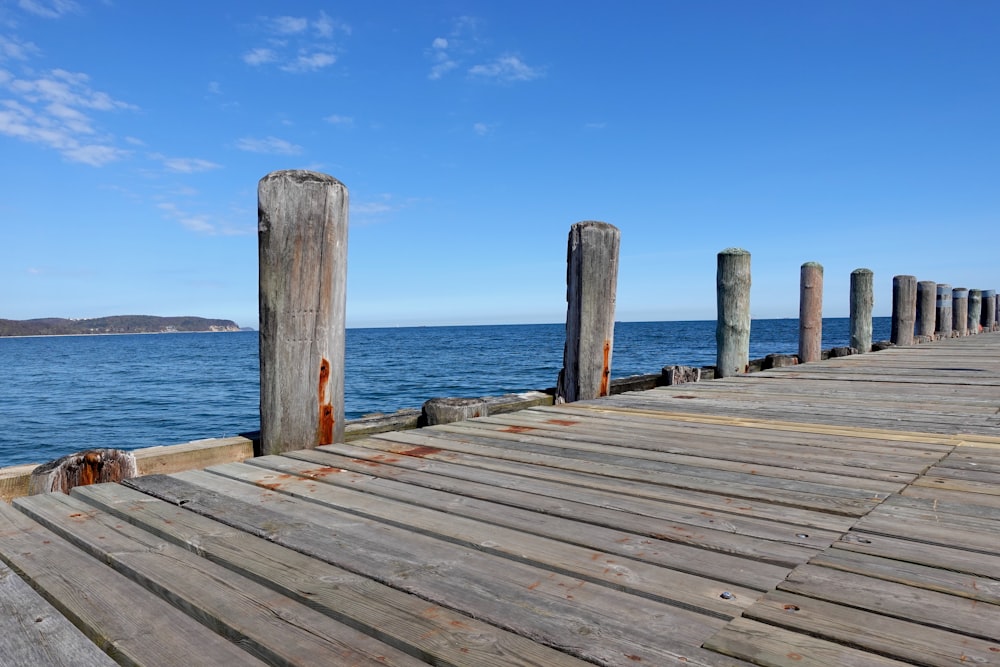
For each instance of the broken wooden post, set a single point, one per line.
(926, 308)
(904, 309)
(732, 327)
(591, 283)
(862, 303)
(975, 310)
(988, 316)
(960, 311)
(90, 467)
(448, 410)
(942, 318)
(810, 312)
(302, 234)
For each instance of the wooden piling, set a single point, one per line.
(904, 309)
(960, 311)
(926, 308)
(302, 234)
(975, 310)
(591, 284)
(81, 469)
(810, 312)
(942, 318)
(862, 303)
(988, 316)
(732, 329)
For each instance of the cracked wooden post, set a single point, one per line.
(988, 315)
(862, 303)
(810, 312)
(960, 311)
(904, 309)
(732, 326)
(926, 308)
(591, 284)
(302, 234)
(942, 318)
(975, 310)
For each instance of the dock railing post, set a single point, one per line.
(988, 316)
(960, 311)
(975, 310)
(810, 312)
(732, 327)
(862, 304)
(302, 242)
(904, 309)
(943, 313)
(591, 284)
(926, 308)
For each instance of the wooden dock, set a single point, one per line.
(845, 512)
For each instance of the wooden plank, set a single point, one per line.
(552, 542)
(33, 633)
(933, 555)
(952, 496)
(151, 633)
(879, 633)
(409, 623)
(592, 622)
(948, 612)
(772, 646)
(266, 624)
(954, 484)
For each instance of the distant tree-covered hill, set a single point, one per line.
(116, 324)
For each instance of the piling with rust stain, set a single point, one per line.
(591, 284)
(862, 304)
(904, 309)
(90, 467)
(960, 311)
(943, 314)
(732, 327)
(975, 311)
(302, 235)
(810, 312)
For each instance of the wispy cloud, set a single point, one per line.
(12, 48)
(337, 119)
(268, 145)
(54, 110)
(203, 223)
(482, 129)
(297, 43)
(184, 165)
(371, 211)
(50, 9)
(506, 68)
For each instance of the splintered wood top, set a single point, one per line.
(844, 512)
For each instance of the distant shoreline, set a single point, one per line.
(124, 333)
(114, 324)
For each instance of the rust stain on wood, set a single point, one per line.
(421, 452)
(517, 429)
(324, 434)
(606, 370)
(561, 422)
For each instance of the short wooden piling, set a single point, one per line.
(93, 466)
(988, 316)
(591, 284)
(810, 312)
(862, 303)
(732, 328)
(904, 309)
(942, 318)
(302, 234)
(926, 308)
(960, 311)
(975, 310)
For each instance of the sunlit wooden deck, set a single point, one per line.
(839, 513)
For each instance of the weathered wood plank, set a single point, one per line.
(404, 621)
(593, 622)
(267, 624)
(932, 555)
(33, 632)
(150, 633)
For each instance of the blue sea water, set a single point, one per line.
(59, 395)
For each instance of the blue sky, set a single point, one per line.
(471, 135)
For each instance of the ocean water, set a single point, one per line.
(59, 395)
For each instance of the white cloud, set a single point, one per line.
(50, 9)
(204, 223)
(288, 25)
(268, 145)
(482, 129)
(189, 165)
(506, 68)
(440, 43)
(259, 56)
(297, 43)
(339, 120)
(310, 62)
(12, 48)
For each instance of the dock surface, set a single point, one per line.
(845, 512)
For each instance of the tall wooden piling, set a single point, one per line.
(591, 284)
(810, 312)
(988, 316)
(926, 308)
(904, 309)
(975, 310)
(302, 234)
(732, 328)
(862, 304)
(942, 318)
(960, 311)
